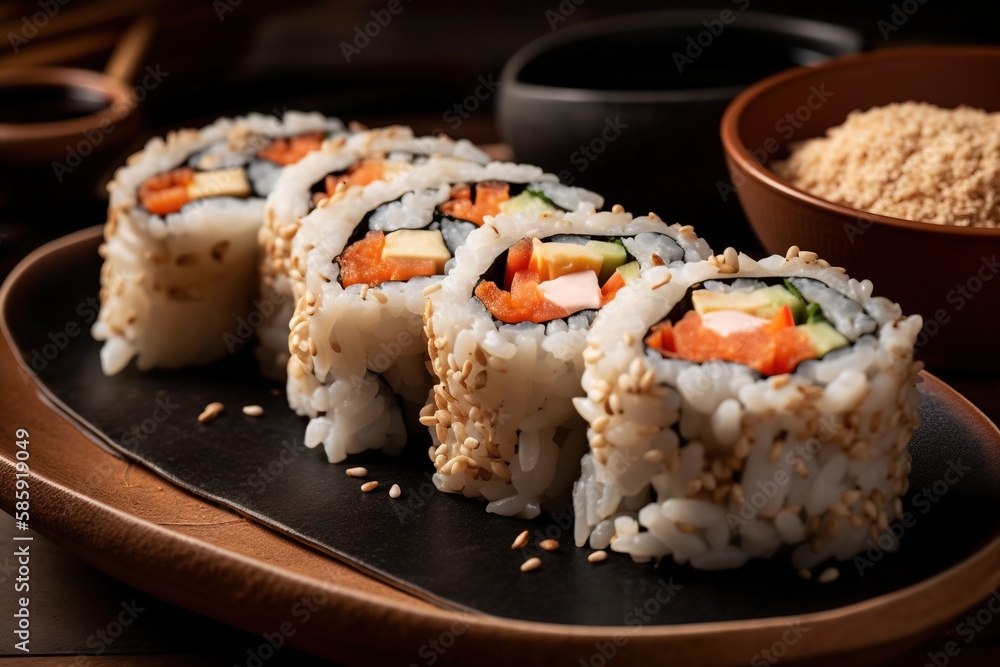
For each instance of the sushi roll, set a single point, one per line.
(358, 364)
(506, 335)
(180, 243)
(742, 409)
(324, 176)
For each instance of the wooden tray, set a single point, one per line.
(154, 535)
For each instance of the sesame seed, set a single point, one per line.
(369, 486)
(395, 491)
(617, 208)
(653, 456)
(520, 540)
(597, 556)
(500, 470)
(549, 545)
(531, 564)
(828, 575)
(805, 574)
(662, 281)
(253, 410)
(686, 528)
(850, 496)
(871, 511)
(808, 256)
(210, 412)
(646, 382)
(840, 509)
(356, 472)
(731, 258)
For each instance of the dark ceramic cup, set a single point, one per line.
(630, 106)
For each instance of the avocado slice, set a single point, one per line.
(823, 337)
(629, 271)
(527, 201)
(613, 256)
(764, 302)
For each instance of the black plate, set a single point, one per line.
(443, 547)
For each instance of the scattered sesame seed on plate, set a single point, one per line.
(253, 410)
(369, 486)
(210, 412)
(357, 472)
(520, 540)
(395, 491)
(830, 574)
(597, 556)
(549, 545)
(531, 564)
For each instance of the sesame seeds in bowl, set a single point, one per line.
(943, 272)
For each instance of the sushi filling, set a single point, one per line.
(771, 329)
(550, 280)
(361, 173)
(396, 243)
(221, 171)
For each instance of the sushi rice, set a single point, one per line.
(358, 361)
(502, 418)
(293, 198)
(174, 286)
(712, 463)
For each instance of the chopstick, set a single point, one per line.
(65, 50)
(127, 55)
(68, 19)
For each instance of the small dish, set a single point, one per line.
(946, 274)
(630, 106)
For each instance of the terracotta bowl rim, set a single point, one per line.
(118, 108)
(737, 152)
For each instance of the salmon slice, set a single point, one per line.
(289, 150)
(362, 263)
(489, 196)
(167, 192)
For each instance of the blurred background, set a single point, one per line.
(434, 65)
